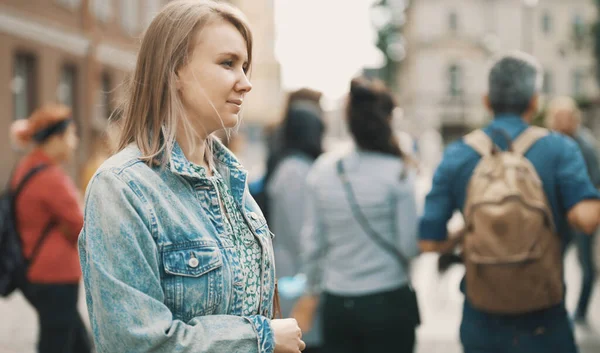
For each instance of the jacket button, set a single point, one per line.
(254, 216)
(193, 263)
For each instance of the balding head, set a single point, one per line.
(563, 116)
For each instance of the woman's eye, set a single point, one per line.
(228, 63)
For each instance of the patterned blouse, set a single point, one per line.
(247, 246)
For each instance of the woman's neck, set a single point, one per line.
(50, 151)
(194, 151)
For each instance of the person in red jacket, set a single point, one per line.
(49, 213)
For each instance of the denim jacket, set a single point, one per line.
(160, 274)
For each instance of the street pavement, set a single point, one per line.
(440, 300)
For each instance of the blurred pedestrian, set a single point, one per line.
(304, 98)
(564, 116)
(175, 253)
(360, 233)
(101, 149)
(518, 206)
(49, 218)
(302, 136)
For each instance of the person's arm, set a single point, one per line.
(293, 204)
(407, 220)
(120, 263)
(439, 206)
(313, 255)
(313, 242)
(579, 197)
(63, 201)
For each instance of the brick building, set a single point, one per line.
(72, 51)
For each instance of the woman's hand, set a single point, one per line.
(288, 336)
(304, 311)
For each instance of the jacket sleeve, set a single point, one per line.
(63, 200)
(291, 193)
(313, 241)
(407, 220)
(120, 263)
(573, 181)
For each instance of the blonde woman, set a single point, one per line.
(176, 255)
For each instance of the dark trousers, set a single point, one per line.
(585, 251)
(61, 329)
(552, 333)
(372, 323)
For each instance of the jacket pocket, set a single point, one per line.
(193, 278)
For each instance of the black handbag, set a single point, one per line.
(408, 293)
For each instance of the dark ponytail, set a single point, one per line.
(369, 112)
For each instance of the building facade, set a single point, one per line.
(78, 52)
(451, 43)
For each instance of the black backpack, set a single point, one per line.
(13, 265)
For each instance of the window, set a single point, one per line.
(578, 82)
(67, 88)
(579, 27)
(453, 22)
(547, 23)
(455, 81)
(24, 85)
(71, 4)
(102, 9)
(129, 16)
(548, 86)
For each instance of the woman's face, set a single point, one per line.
(213, 84)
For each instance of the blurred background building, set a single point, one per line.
(450, 44)
(79, 52)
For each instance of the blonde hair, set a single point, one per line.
(561, 103)
(152, 108)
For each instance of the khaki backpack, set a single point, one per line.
(511, 251)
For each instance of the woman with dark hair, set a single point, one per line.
(49, 217)
(302, 132)
(360, 233)
(305, 99)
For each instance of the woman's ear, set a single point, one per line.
(177, 80)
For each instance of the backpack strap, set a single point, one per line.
(480, 142)
(527, 138)
(33, 171)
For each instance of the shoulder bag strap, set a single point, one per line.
(364, 223)
(35, 170)
(480, 142)
(528, 138)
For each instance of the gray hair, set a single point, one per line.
(514, 80)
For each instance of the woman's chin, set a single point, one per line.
(231, 121)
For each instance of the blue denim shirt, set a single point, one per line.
(556, 158)
(160, 274)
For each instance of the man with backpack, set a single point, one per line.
(519, 188)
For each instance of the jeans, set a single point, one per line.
(367, 324)
(61, 329)
(585, 251)
(481, 333)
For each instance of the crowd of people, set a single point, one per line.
(179, 252)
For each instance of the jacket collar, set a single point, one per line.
(227, 165)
